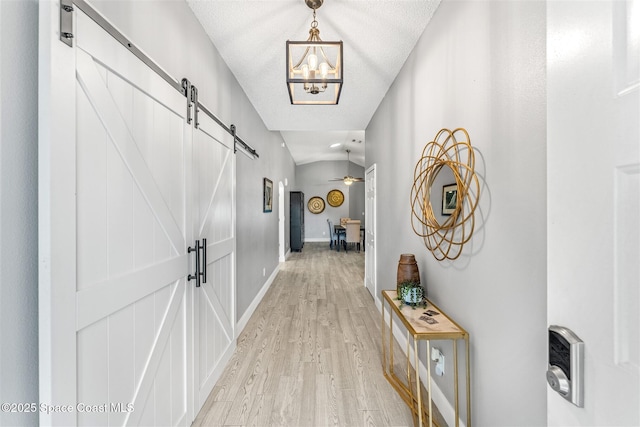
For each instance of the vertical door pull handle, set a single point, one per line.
(197, 274)
(204, 258)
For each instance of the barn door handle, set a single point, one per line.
(197, 275)
(204, 258)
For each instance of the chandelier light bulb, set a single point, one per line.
(305, 71)
(313, 62)
(324, 70)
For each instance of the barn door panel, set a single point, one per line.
(214, 207)
(128, 342)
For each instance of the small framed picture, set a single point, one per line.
(267, 195)
(449, 198)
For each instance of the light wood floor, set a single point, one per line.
(310, 355)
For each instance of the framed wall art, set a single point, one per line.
(267, 195)
(449, 198)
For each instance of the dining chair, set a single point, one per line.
(332, 234)
(353, 234)
(338, 234)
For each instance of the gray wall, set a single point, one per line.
(18, 208)
(479, 65)
(257, 238)
(313, 180)
(356, 190)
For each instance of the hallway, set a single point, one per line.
(310, 355)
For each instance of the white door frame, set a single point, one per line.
(56, 218)
(281, 222)
(370, 280)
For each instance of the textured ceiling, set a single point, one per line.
(378, 36)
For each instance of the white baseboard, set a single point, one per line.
(242, 322)
(439, 399)
(317, 239)
(284, 257)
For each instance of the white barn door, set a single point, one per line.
(115, 306)
(214, 220)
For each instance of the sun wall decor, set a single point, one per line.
(445, 238)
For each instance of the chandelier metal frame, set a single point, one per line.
(307, 86)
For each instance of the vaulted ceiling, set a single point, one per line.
(378, 36)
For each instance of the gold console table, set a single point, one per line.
(441, 327)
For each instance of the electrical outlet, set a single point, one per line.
(438, 357)
(264, 272)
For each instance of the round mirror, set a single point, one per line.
(445, 194)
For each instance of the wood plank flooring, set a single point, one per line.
(311, 354)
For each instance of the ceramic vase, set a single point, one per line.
(407, 270)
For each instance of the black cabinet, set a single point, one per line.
(296, 220)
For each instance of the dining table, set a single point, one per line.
(341, 229)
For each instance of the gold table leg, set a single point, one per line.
(384, 353)
(466, 340)
(430, 414)
(455, 380)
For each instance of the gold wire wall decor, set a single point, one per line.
(450, 149)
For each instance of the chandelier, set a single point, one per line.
(314, 67)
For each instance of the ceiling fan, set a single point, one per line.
(348, 179)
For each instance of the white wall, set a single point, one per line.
(18, 208)
(171, 35)
(479, 65)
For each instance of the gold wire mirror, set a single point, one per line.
(450, 225)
